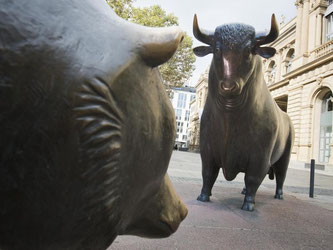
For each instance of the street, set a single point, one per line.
(297, 222)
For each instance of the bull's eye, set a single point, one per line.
(217, 50)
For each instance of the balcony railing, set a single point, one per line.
(324, 49)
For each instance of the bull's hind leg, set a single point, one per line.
(280, 169)
(210, 172)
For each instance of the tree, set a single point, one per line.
(180, 67)
(153, 16)
(123, 8)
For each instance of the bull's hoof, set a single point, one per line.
(203, 198)
(243, 191)
(279, 196)
(248, 206)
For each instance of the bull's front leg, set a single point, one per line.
(252, 179)
(210, 172)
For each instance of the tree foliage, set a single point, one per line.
(123, 8)
(180, 67)
(153, 16)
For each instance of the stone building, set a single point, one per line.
(196, 107)
(300, 78)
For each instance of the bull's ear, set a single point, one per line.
(202, 51)
(265, 52)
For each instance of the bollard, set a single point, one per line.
(312, 173)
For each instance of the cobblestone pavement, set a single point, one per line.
(297, 222)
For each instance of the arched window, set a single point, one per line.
(325, 130)
(271, 72)
(290, 56)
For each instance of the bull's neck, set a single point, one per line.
(249, 96)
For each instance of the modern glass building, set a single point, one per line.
(180, 99)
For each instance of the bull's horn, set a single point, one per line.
(272, 35)
(202, 35)
(160, 44)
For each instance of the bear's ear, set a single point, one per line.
(202, 51)
(265, 52)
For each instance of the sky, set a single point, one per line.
(212, 13)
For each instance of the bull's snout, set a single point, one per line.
(231, 86)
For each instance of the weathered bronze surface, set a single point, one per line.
(242, 128)
(86, 127)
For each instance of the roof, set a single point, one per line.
(186, 89)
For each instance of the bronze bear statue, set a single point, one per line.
(86, 127)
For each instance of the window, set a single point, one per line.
(329, 2)
(184, 137)
(329, 27)
(181, 100)
(325, 128)
(187, 115)
(193, 96)
(327, 103)
(289, 58)
(180, 127)
(178, 114)
(271, 72)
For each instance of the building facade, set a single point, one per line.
(180, 99)
(196, 107)
(300, 78)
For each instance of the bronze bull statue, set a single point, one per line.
(242, 128)
(86, 127)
